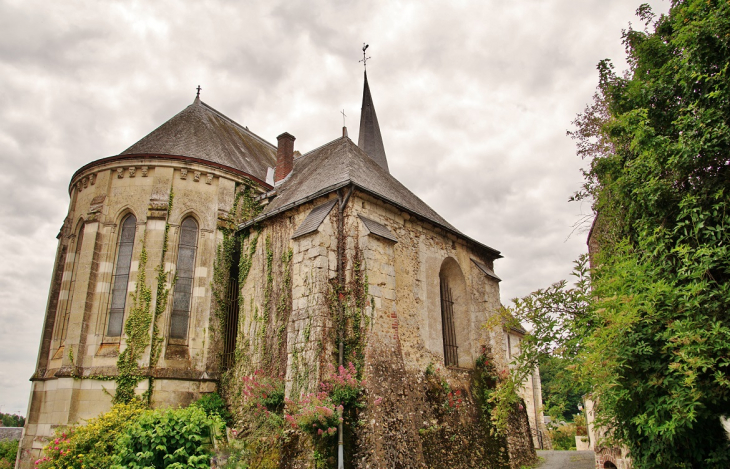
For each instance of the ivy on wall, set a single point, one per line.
(141, 318)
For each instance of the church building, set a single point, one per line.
(203, 253)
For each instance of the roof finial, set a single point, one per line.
(198, 95)
(343, 118)
(364, 58)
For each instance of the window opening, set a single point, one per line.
(72, 284)
(182, 297)
(451, 351)
(232, 310)
(120, 282)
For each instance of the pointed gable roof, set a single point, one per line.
(340, 163)
(201, 132)
(370, 139)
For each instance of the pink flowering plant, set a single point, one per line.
(262, 405)
(266, 393)
(315, 414)
(342, 385)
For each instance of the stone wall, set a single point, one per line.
(77, 360)
(410, 417)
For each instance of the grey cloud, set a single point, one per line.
(473, 99)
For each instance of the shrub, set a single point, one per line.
(90, 445)
(315, 414)
(8, 451)
(260, 390)
(342, 385)
(563, 437)
(170, 438)
(213, 404)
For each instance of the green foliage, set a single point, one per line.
(8, 453)
(659, 181)
(563, 437)
(92, 444)
(12, 420)
(142, 315)
(562, 393)
(137, 331)
(652, 338)
(213, 404)
(342, 385)
(170, 438)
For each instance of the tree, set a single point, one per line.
(652, 338)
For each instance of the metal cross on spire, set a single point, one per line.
(343, 118)
(364, 58)
(198, 88)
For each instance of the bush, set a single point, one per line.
(213, 404)
(315, 414)
(342, 385)
(563, 437)
(264, 391)
(170, 438)
(8, 451)
(90, 445)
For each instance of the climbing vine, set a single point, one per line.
(137, 330)
(348, 303)
(141, 317)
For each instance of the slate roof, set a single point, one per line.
(340, 163)
(487, 271)
(370, 139)
(10, 433)
(378, 229)
(314, 219)
(201, 132)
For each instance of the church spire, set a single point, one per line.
(370, 140)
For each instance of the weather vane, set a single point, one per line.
(198, 88)
(343, 118)
(364, 58)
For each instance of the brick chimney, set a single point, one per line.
(284, 156)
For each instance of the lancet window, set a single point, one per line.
(451, 350)
(182, 297)
(120, 280)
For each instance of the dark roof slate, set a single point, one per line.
(487, 271)
(340, 163)
(378, 229)
(314, 219)
(10, 433)
(201, 132)
(370, 139)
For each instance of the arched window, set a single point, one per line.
(74, 268)
(120, 281)
(455, 318)
(451, 350)
(181, 299)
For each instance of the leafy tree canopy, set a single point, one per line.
(648, 329)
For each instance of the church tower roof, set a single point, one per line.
(370, 140)
(202, 133)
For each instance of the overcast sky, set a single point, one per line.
(473, 99)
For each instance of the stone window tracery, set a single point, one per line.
(182, 297)
(120, 281)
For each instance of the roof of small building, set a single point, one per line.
(201, 132)
(10, 433)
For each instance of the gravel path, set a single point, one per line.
(567, 460)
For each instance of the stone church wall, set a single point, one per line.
(74, 377)
(410, 418)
